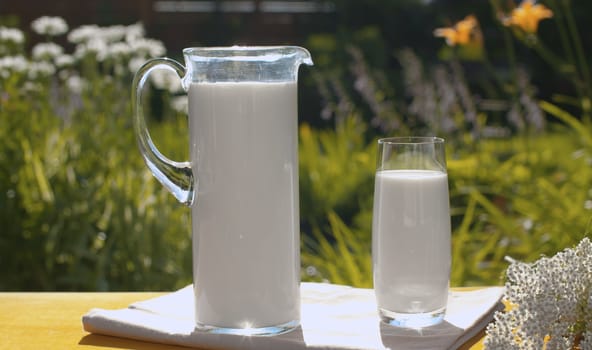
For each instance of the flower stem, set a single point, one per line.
(562, 32)
(583, 65)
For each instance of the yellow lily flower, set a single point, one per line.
(461, 33)
(528, 15)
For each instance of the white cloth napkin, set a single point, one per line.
(332, 317)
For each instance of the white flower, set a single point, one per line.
(148, 47)
(118, 50)
(83, 33)
(10, 64)
(166, 80)
(181, 105)
(11, 35)
(135, 63)
(95, 46)
(113, 34)
(527, 224)
(134, 32)
(98, 47)
(15, 63)
(40, 69)
(551, 303)
(75, 84)
(51, 26)
(47, 51)
(64, 61)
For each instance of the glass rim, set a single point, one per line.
(239, 48)
(411, 140)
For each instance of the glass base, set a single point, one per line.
(248, 330)
(412, 320)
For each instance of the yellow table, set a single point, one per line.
(54, 321)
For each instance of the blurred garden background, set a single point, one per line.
(507, 84)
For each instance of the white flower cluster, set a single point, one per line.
(550, 303)
(10, 64)
(50, 26)
(125, 47)
(116, 52)
(11, 41)
(47, 51)
(122, 49)
(11, 35)
(116, 42)
(31, 69)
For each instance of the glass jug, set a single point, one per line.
(241, 183)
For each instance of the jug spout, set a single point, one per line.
(302, 55)
(298, 55)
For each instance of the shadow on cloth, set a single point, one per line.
(290, 340)
(108, 341)
(398, 338)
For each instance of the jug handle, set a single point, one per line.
(177, 177)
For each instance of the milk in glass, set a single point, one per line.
(411, 240)
(245, 216)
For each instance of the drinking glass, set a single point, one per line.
(411, 231)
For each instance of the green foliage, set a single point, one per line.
(522, 197)
(78, 208)
(519, 169)
(80, 211)
(336, 171)
(344, 258)
(336, 186)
